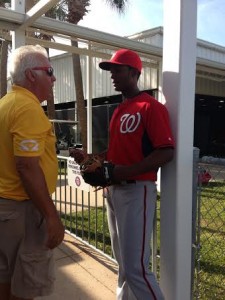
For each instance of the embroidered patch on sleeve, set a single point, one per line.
(29, 145)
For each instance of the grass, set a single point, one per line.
(62, 167)
(211, 273)
(91, 225)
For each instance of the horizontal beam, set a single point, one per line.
(211, 64)
(12, 20)
(37, 11)
(76, 31)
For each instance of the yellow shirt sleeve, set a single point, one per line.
(29, 131)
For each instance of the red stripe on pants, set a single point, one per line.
(143, 248)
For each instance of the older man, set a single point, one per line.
(29, 224)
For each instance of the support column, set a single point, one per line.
(160, 97)
(18, 36)
(89, 101)
(179, 67)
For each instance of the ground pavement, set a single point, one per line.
(82, 273)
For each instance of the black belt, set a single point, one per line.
(128, 181)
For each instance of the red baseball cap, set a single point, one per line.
(123, 57)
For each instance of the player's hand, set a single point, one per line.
(78, 155)
(55, 231)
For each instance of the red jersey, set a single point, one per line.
(138, 126)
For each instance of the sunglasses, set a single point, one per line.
(49, 70)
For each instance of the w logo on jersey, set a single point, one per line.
(129, 123)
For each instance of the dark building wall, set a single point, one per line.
(209, 129)
(209, 124)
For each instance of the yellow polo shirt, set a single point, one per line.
(24, 131)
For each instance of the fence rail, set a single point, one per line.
(84, 215)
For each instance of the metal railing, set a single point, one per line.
(84, 215)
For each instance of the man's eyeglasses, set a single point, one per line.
(48, 70)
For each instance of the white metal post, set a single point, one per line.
(18, 36)
(179, 64)
(89, 103)
(159, 83)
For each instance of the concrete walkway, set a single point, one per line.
(82, 273)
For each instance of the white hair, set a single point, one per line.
(25, 57)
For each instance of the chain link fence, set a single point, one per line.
(209, 230)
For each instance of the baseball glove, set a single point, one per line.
(97, 173)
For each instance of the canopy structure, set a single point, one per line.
(179, 62)
(33, 21)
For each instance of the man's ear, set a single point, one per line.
(30, 75)
(134, 72)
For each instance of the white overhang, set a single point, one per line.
(12, 20)
(37, 11)
(33, 21)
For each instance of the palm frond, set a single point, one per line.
(119, 5)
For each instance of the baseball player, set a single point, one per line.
(140, 142)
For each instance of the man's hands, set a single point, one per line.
(94, 170)
(34, 183)
(55, 230)
(78, 155)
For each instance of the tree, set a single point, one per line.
(76, 12)
(3, 67)
(57, 13)
(4, 47)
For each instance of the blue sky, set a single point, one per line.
(145, 14)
